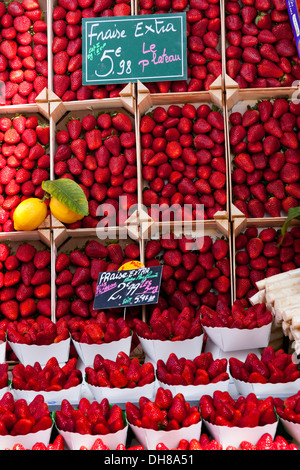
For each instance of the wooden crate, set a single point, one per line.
(214, 228)
(238, 100)
(64, 111)
(146, 102)
(219, 83)
(50, 6)
(279, 331)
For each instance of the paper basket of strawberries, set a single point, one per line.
(238, 327)
(40, 337)
(24, 423)
(231, 421)
(273, 374)
(122, 380)
(193, 378)
(167, 419)
(53, 382)
(90, 421)
(288, 410)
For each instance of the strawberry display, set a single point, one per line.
(273, 367)
(90, 417)
(265, 442)
(183, 162)
(17, 417)
(260, 49)
(24, 282)
(23, 51)
(98, 330)
(3, 375)
(50, 378)
(265, 163)
(57, 444)
(99, 153)
(289, 407)
(24, 163)
(39, 331)
(240, 316)
(67, 47)
(77, 274)
(202, 370)
(196, 270)
(203, 25)
(246, 411)
(259, 256)
(166, 412)
(169, 324)
(124, 372)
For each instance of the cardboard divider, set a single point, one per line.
(237, 100)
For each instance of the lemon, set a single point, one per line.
(63, 213)
(131, 265)
(29, 214)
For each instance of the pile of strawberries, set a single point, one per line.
(259, 256)
(265, 173)
(183, 162)
(77, 274)
(223, 410)
(260, 50)
(50, 378)
(67, 47)
(196, 271)
(166, 412)
(99, 153)
(272, 367)
(99, 445)
(90, 417)
(98, 330)
(39, 331)
(203, 25)
(169, 324)
(3, 375)
(24, 163)
(289, 408)
(24, 282)
(23, 51)
(202, 370)
(240, 315)
(17, 417)
(57, 444)
(265, 442)
(124, 372)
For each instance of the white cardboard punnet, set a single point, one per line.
(74, 440)
(268, 389)
(27, 440)
(157, 349)
(72, 394)
(149, 438)
(2, 351)
(293, 429)
(195, 392)
(123, 395)
(29, 354)
(87, 352)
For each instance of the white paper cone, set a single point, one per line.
(195, 392)
(279, 390)
(87, 352)
(157, 349)
(2, 351)
(293, 429)
(30, 354)
(72, 394)
(235, 339)
(123, 395)
(27, 441)
(149, 438)
(227, 436)
(74, 440)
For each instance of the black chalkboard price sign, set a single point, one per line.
(134, 287)
(127, 49)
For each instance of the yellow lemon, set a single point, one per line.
(131, 265)
(63, 213)
(29, 214)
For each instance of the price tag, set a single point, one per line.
(127, 49)
(128, 288)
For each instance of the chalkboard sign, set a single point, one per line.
(127, 49)
(128, 288)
